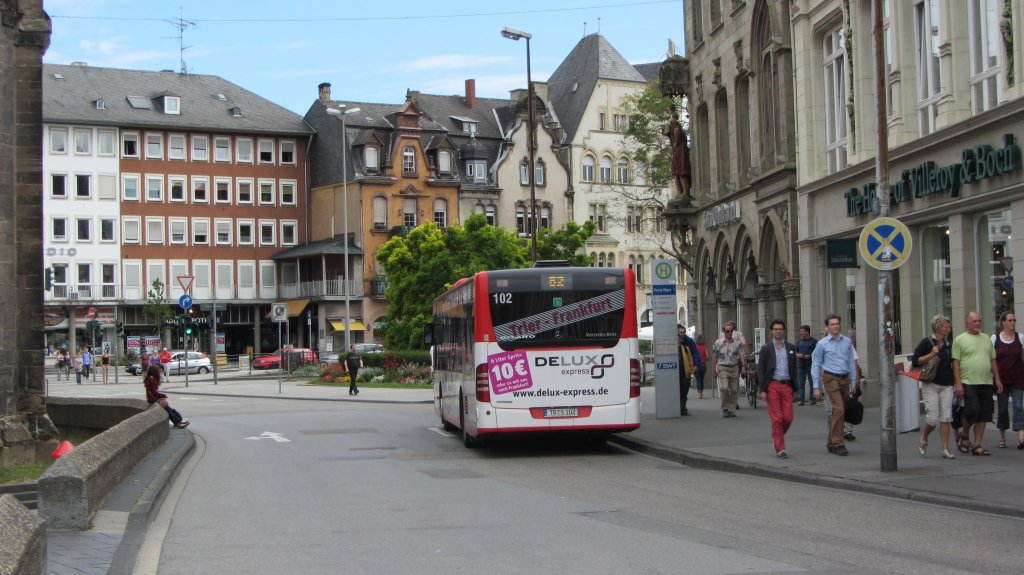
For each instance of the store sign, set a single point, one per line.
(976, 164)
(721, 215)
(841, 253)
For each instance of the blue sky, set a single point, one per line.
(369, 52)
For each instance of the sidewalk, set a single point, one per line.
(743, 445)
(703, 440)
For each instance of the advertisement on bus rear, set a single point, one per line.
(535, 378)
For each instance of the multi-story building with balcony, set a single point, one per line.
(159, 176)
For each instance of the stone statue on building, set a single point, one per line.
(680, 157)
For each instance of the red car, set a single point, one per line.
(300, 355)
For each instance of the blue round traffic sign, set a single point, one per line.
(185, 301)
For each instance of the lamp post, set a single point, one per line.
(341, 111)
(513, 34)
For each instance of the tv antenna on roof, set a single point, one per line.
(181, 24)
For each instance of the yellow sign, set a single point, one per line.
(885, 243)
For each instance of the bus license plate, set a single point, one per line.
(562, 412)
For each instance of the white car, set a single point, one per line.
(197, 362)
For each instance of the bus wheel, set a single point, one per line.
(467, 440)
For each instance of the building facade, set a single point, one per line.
(186, 180)
(744, 163)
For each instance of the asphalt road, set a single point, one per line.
(330, 487)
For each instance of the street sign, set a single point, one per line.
(885, 244)
(185, 301)
(186, 283)
(666, 339)
(92, 313)
(279, 312)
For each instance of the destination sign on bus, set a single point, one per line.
(528, 327)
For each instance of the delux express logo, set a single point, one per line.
(595, 364)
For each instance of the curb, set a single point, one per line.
(707, 462)
(147, 507)
(185, 391)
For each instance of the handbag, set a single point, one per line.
(853, 411)
(929, 368)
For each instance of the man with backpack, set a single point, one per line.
(689, 362)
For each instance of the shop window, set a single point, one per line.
(995, 265)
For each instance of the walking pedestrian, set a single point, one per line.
(689, 359)
(165, 363)
(77, 363)
(154, 395)
(1009, 344)
(353, 362)
(59, 357)
(834, 367)
(702, 367)
(804, 349)
(86, 362)
(727, 357)
(144, 361)
(974, 370)
(776, 364)
(105, 364)
(938, 393)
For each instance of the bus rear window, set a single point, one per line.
(555, 307)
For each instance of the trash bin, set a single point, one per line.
(908, 403)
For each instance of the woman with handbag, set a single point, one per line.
(1009, 346)
(934, 356)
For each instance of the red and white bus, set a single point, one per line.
(537, 349)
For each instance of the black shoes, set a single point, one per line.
(849, 437)
(353, 392)
(839, 450)
(684, 411)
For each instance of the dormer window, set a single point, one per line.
(172, 105)
(370, 157)
(476, 171)
(470, 127)
(101, 105)
(409, 160)
(444, 163)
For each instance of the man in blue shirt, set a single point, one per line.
(804, 349)
(86, 362)
(834, 367)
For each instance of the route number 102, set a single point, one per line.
(503, 297)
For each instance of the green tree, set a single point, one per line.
(157, 310)
(566, 243)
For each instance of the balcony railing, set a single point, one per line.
(350, 288)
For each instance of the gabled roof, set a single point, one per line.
(207, 102)
(571, 85)
(450, 112)
(649, 71)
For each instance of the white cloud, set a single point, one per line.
(449, 62)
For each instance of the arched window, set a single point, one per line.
(623, 169)
(632, 263)
(606, 170)
(524, 173)
(478, 209)
(611, 260)
(492, 215)
(538, 171)
(588, 168)
(521, 220)
(441, 212)
(545, 218)
(380, 213)
(601, 260)
(640, 270)
(408, 160)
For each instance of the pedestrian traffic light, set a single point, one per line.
(48, 279)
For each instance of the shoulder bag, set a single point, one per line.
(929, 368)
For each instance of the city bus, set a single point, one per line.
(537, 349)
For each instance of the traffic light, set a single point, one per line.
(188, 323)
(48, 279)
(120, 328)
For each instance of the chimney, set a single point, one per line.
(541, 90)
(471, 93)
(325, 91)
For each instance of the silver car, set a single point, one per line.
(197, 362)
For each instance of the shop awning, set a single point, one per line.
(295, 307)
(354, 325)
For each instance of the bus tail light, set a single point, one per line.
(483, 384)
(635, 373)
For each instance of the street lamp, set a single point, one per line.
(341, 111)
(513, 34)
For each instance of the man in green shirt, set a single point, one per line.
(974, 369)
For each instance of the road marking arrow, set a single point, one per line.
(271, 435)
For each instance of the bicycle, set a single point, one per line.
(750, 365)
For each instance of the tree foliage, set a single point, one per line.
(157, 310)
(427, 261)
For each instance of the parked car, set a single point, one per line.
(328, 358)
(198, 362)
(273, 361)
(369, 347)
